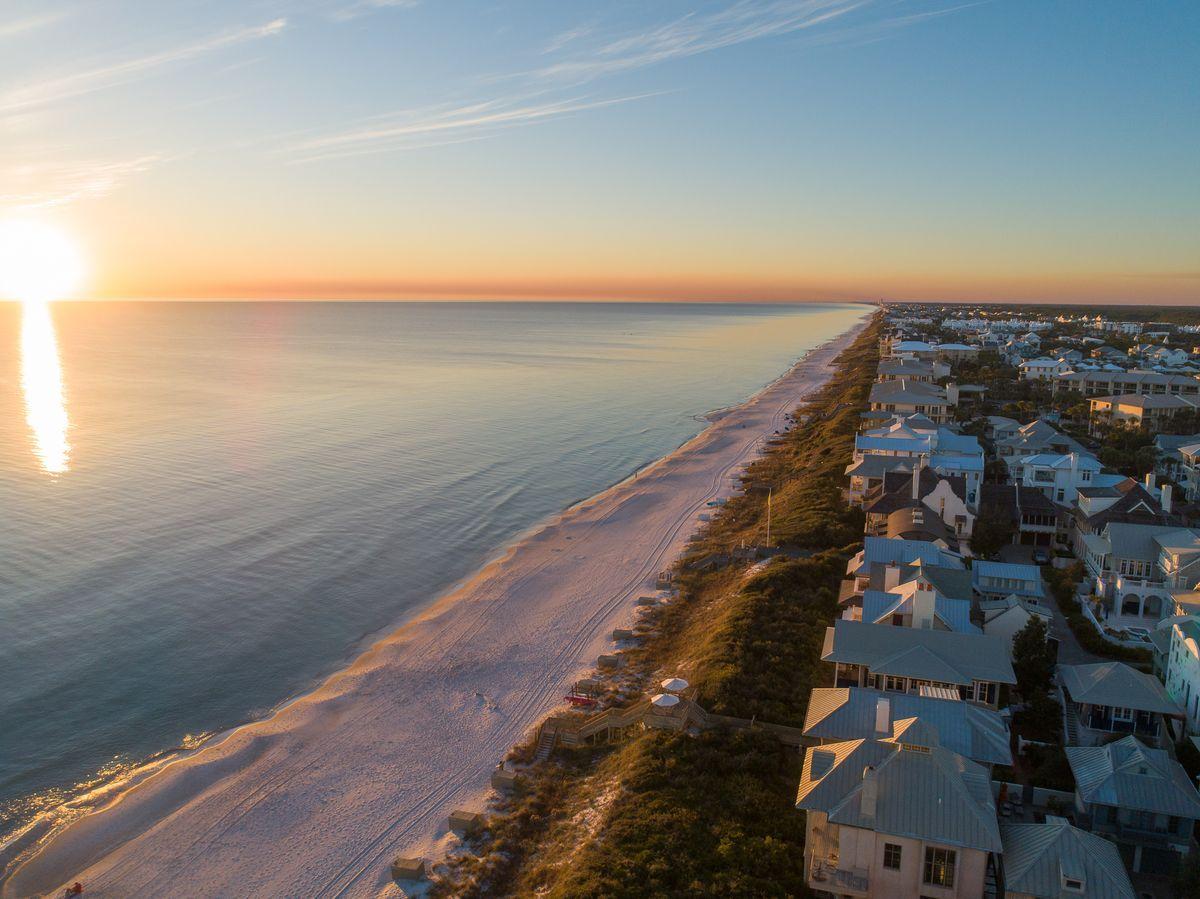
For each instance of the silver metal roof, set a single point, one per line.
(1116, 684)
(1129, 774)
(850, 713)
(928, 794)
(1037, 857)
(941, 656)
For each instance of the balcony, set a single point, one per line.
(827, 874)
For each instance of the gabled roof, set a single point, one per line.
(1038, 856)
(1129, 774)
(1015, 499)
(1135, 541)
(849, 713)
(941, 656)
(905, 552)
(874, 466)
(983, 568)
(1064, 461)
(955, 614)
(1116, 684)
(934, 795)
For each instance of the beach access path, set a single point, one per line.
(317, 799)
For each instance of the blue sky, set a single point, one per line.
(777, 150)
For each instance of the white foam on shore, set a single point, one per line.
(319, 797)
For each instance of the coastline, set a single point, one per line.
(366, 765)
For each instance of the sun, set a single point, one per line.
(38, 262)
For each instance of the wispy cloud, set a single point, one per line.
(417, 129)
(16, 27)
(696, 33)
(64, 87)
(345, 11)
(42, 185)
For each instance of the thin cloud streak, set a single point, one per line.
(477, 121)
(62, 183)
(76, 84)
(694, 34)
(30, 23)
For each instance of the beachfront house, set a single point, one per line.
(838, 714)
(1056, 860)
(1107, 698)
(904, 397)
(901, 816)
(945, 495)
(917, 604)
(912, 370)
(882, 563)
(1140, 798)
(972, 667)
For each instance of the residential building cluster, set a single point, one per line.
(907, 784)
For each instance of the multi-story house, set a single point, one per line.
(1140, 798)
(1135, 410)
(904, 397)
(1183, 670)
(1060, 477)
(1042, 369)
(945, 495)
(1110, 382)
(912, 370)
(910, 660)
(901, 816)
(1035, 519)
(1039, 437)
(1137, 566)
(1107, 698)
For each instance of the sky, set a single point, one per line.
(1006, 150)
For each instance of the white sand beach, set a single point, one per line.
(317, 799)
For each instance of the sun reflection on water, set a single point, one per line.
(42, 385)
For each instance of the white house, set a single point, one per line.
(1183, 670)
(1042, 369)
(1059, 477)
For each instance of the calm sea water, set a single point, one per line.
(205, 507)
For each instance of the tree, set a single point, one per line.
(1033, 659)
(993, 530)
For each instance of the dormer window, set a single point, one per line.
(1072, 885)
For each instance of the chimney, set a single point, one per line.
(1150, 481)
(870, 793)
(1166, 498)
(924, 603)
(891, 577)
(883, 715)
(916, 479)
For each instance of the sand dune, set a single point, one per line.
(317, 799)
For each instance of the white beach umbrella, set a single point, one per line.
(664, 700)
(674, 684)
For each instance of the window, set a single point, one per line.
(939, 867)
(891, 856)
(1122, 714)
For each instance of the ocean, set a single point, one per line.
(205, 508)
